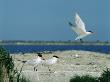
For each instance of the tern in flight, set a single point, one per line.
(79, 28)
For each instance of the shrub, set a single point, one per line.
(105, 76)
(6, 65)
(86, 78)
(7, 68)
(23, 79)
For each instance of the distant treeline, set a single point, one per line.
(69, 42)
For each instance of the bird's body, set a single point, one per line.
(51, 61)
(79, 28)
(35, 62)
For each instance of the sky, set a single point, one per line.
(48, 19)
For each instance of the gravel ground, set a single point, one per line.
(70, 63)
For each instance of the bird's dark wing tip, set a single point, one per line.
(70, 23)
(24, 61)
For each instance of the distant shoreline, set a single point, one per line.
(19, 42)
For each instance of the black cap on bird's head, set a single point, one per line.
(55, 56)
(39, 54)
(90, 31)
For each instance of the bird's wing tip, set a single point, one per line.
(70, 23)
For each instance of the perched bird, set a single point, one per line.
(51, 61)
(79, 28)
(35, 62)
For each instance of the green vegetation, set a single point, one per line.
(6, 66)
(7, 72)
(105, 77)
(23, 79)
(85, 78)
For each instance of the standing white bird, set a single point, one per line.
(51, 62)
(35, 62)
(79, 28)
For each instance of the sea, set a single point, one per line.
(42, 48)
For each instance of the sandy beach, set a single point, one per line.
(70, 63)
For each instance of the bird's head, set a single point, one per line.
(90, 32)
(55, 57)
(40, 56)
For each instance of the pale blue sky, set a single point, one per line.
(48, 19)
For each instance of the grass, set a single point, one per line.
(85, 78)
(23, 79)
(105, 77)
(7, 73)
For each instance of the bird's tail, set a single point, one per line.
(23, 61)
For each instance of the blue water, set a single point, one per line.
(40, 48)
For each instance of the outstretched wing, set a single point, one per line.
(77, 31)
(79, 24)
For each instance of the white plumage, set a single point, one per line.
(79, 28)
(35, 62)
(51, 61)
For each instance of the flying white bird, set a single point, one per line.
(79, 28)
(51, 61)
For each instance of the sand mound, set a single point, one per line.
(70, 63)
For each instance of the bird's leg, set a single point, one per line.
(37, 74)
(49, 71)
(49, 68)
(37, 71)
(81, 40)
(35, 68)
